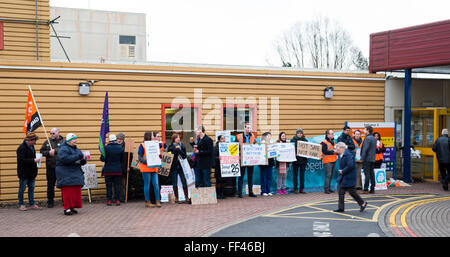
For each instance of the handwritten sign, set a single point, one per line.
(187, 170)
(229, 159)
(166, 163)
(254, 154)
(309, 150)
(90, 176)
(203, 195)
(152, 152)
(286, 152)
(272, 151)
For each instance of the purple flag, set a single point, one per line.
(104, 129)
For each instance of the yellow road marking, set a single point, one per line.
(412, 205)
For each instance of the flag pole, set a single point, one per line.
(37, 109)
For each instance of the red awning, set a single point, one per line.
(421, 46)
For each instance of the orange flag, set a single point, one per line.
(33, 118)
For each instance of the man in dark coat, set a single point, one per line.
(347, 177)
(27, 169)
(204, 154)
(346, 138)
(442, 149)
(50, 149)
(112, 170)
(368, 151)
(300, 164)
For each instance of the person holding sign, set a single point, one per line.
(177, 149)
(50, 149)
(150, 175)
(299, 166)
(220, 182)
(282, 170)
(112, 169)
(69, 175)
(246, 137)
(329, 158)
(266, 170)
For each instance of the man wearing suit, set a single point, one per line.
(368, 151)
(347, 177)
(204, 154)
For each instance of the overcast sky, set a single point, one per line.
(242, 32)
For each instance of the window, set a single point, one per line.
(128, 40)
(235, 116)
(180, 119)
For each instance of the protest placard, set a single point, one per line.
(90, 176)
(152, 152)
(254, 154)
(380, 179)
(203, 195)
(286, 152)
(187, 170)
(226, 134)
(272, 151)
(166, 163)
(229, 159)
(309, 150)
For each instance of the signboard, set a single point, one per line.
(166, 164)
(254, 154)
(286, 152)
(188, 171)
(152, 152)
(90, 176)
(272, 151)
(226, 134)
(309, 150)
(203, 195)
(387, 132)
(229, 160)
(380, 179)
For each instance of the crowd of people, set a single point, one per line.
(64, 160)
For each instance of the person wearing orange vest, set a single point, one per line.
(329, 158)
(246, 137)
(358, 141)
(149, 175)
(380, 150)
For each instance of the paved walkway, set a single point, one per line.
(182, 220)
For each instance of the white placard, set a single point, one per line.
(254, 154)
(286, 152)
(152, 152)
(188, 171)
(380, 179)
(90, 176)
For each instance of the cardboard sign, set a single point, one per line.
(152, 152)
(286, 152)
(135, 160)
(90, 176)
(229, 160)
(309, 150)
(254, 154)
(188, 171)
(203, 195)
(166, 164)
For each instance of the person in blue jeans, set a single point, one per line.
(149, 175)
(266, 170)
(27, 170)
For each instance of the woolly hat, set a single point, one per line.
(120, 135)
(299, 130)
(70, 136)
(112, 138)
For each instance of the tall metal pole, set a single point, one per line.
(407, 129)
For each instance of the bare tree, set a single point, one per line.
(319, 43)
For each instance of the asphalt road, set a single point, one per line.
(317, 219)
